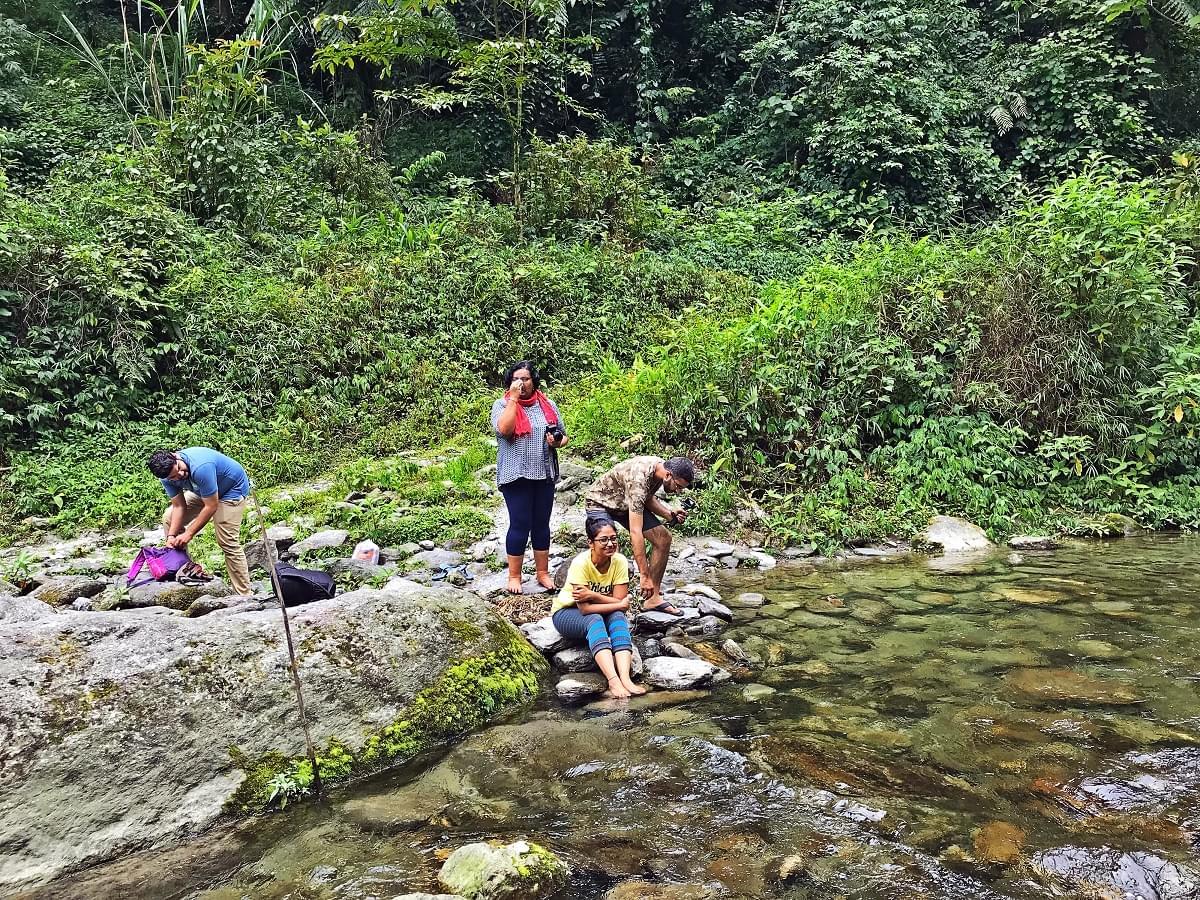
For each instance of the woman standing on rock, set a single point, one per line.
(529, 432)
(592, 605)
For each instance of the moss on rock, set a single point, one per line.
(467, 694)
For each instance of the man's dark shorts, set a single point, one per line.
(649, 519)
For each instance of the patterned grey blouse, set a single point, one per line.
(528, 456)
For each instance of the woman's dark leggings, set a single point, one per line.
(529, 505)
(607, 632)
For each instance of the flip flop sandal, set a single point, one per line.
(669, 609)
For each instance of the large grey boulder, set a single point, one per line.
(322, 540)
(174, 595)
(121, 730)
(66, 589)
(955, 535)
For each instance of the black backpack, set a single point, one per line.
(303, 585)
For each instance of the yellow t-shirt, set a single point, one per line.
(583, 572)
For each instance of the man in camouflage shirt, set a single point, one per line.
(626, 494)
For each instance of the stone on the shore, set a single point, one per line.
(580, 686)
(671, 673)
(544, 636)
(748, 600)
(322, 540)
(574, 659)
(518, 871)
(173, 595)
(257, 558)
(1032, 542)
(434, 558)
(202, 606)
(764, 561)
(955, 535)
(651, 648)
(118, 727)
(654, 621)
(706, 626)
(702, 590)
(717, 549)
(23, 609)
(679, 651)
(710, 607)
(430, 897)
(426, 545)
(66, 589)
(799, 551)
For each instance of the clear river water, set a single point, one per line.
(1019, 725)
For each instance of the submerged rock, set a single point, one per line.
(518, 871)
(1032, 542)
(1059, 685)
(123, 730)
(999, 842)
(748, 600)
(1028, 596)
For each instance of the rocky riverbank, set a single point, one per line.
(142, 714)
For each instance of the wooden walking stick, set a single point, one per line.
(269, 550)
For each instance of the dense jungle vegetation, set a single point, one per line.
(862, 260)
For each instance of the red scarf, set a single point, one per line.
(523, 427)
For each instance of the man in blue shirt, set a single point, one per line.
(204, 484)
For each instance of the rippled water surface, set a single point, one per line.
(1014, 726)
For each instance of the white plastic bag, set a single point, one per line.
(367, 551)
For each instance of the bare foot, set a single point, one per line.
(617, 689)
(635, 689)
(546, 580)
(514, 585)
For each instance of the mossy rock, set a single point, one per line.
(490, 872)
(66, 589)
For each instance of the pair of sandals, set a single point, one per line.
(192, 574)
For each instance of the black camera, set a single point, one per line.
(688, 503)
(557, 431)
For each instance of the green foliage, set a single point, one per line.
(581, 189)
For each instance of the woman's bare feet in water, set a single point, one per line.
(514, 584)
(635, 689)
(617, 689)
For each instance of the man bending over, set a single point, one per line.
(626, 494)
(204, 484)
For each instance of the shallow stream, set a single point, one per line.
(1015, 726)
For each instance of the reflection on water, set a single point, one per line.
(1007, 727)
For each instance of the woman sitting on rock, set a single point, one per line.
(529, 432)
(592, 605)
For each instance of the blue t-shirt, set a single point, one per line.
(209, 472)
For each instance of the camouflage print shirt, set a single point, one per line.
(627, 486)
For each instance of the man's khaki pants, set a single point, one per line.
(227, 523)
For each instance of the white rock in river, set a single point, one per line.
(752, 693)
(679, 674)
(322, 540)
(955, 535)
